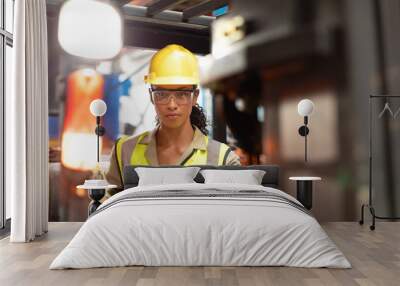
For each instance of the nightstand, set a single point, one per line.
(305, 189)
(96, 193)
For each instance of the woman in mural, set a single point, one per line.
(180, 137)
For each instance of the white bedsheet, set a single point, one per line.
(200, 231)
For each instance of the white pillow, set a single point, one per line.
(163, 176)
(248, 177)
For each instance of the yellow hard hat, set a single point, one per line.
(173, 64)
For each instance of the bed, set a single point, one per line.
(201, 224)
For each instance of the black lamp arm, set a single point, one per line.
(100, 131)
(303, 131)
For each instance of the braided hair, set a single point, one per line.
(198, 118)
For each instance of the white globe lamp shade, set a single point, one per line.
(90, 29)
(98, 107)
(305, 107)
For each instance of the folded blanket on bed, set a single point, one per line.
(201, 224)
(205, 195)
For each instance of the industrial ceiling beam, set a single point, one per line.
(153, 32)
(167, 17)
(203, 8)
(160, 6)
(156, 36)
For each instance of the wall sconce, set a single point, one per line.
(305, 108)
(98, 108)
(90, 29)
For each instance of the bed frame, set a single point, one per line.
(270, 179)
(131, 179)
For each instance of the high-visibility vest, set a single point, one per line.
(130, 151)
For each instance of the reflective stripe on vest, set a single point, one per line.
(223, 154)
(138, 156)
(216, 153)
(197, 157)
(119, 152)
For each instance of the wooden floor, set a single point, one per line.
(375, 257)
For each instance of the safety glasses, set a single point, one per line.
(163, 96)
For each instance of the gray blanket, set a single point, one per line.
(204, 194)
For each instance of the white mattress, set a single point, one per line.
(189, 230)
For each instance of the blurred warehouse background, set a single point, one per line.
(258, 60)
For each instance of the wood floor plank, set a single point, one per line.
(374, 255)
